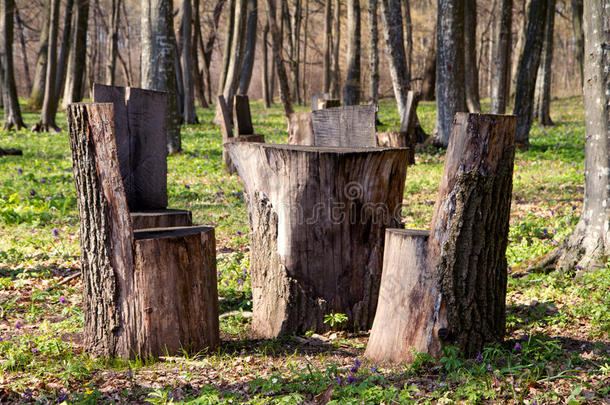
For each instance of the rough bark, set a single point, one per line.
(410, 132)
(349, 126)
(250, 48)
(336, 81)
(471, 70)
(519, 47)
(328, 41)
(408, 34)
(12, 111)
(295, 51)
(528, 67)
(265, 70)
(579, 37)
(24, 55)
(428, 86)
(208, 48)
(190, 116)
(160, 219)
(292, 216)
(198, 79)
(64, 48)
(391, 21)
(374, 52)
(157, 63)
(300, 129)
(237, 51)
(450, 78)
(73, 88)
(113, 38)
(351, 88)
(542, 93)
(49, 104)
(279, 61)
(40, 73)
(305, 63)
(449, 286)
(500, 65)
(226, 49)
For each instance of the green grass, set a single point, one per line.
(556, 349)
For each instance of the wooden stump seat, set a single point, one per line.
(146, 292)
(317, 217)
(139, 129)
(351, 126)
(448, 286)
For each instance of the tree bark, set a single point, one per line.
(500, 72)
(450, 77)
(190, 116)
(208, 48)
(449, 286)
(579, 38)
(12, 111)
(160, 219)
(73, 89)
(265, 71)
(147, 292)
(428, 86)
(542, 105)
(519, 47)
(295, 50)
(408, 35)
(351, 88)
(237, 52)
(374, 52)
(391, 21)
(49, 105)
(64, 49)
(227, 46)
(157, 63)
(589, 245)
(198, 80)
(40, 74)
(305, 42)
(471, 71)
(279, 62)
(250, 51)
(24, 55)
(328, 43)
(113, 38)
(336, 82)
(528, 67)
(292, 288)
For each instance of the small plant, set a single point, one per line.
(335, 319)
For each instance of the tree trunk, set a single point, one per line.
(250, 51)
(589, 245)
(374, 52)
(296, 51)
(428, 86)
(24, 55)
(237, 53)
(208, 48)
(12, 111)
(528, 67)
(328, 43)
(198, 80)
(450, 77)
(391, 20)
(449, 286)
(579, 38)
(113, 38)
(157, 63)
(62, 63)
(351, 88)
(40, 74)
(227, 46)
(500, 73)
(73, 89)
(305, 42)
(190, 116)
(336, 82)
(49, 105)
(542, 92)
(292, 288)
(265, 70)
(471, 73)
(279, 63)
(408, 35)
(147, 292)
(519, 47)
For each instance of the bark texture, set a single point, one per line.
(64, 48)
(12, 111)
(40, 73)
(500, 66)
(450, 286)
(428, 85)
(265, 87)
(579, 37)
(73, 88)
(303, 201)
(113, 34)
(160, 219)
(188, 64)
(542, 104)
(471, 70)
(328, 43)
(351, 88)
(250, 47)
(276, 40)
(374, 52)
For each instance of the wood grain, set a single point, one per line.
(351, 126)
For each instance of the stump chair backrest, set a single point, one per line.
(350, 126)
(242, 116)
(140, 132)
(315, 98)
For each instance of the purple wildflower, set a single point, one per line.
(357, 362)
(61, 398)
(187, 186)
(227, 282)
(245, 270)
(240, 281)
(374, 369)
(479, 358)
(33, 230)
(219, 273)
(517, 347)
(238, 233)
(489, 368)
(55, 232)
(32, 193)
(351, 379)
(17, 325)
(19, 171)
(34, 350)
(49, 198)
(354, 369)
(339, 380)
(43, 181)
(62, 300)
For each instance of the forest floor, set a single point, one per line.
(557, 348)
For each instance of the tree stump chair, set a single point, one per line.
(139, 128)
(317, 217)
(323, 100)
(243, 126)
(145, 292)
(410, 130)
(351, 126)
(449, 285)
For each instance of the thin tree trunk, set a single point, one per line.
(113, 38)
(158, 62)
(208, 48)
(128, 74)
(279, 63)
(250, 51)
(450, 89)
(542, 105)
(500, 73)
(351, 89)
(579, 38)
(64, 49)
(305, 42)
(228, 45)
(519, 47)
(528, 67)
(49, 105)
(265, 70)
(77, 60)
(408, 32)
(190, 116)
(197, 73)
(12, 111)
(24, 55)
(296, 59)
(328, 41)
(471, 71)
(374, 52)
(40, 74)
(428, 85)
(336, 86)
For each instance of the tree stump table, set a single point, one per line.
(317, 217)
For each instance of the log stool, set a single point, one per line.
(317, 217)
(147, 292)
(449, 285)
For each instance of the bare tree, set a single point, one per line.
(579, 39)
(113, 34)
(250, 51)
(428, 85)
(226, 50)
(471, 71)
(279, 62)
(24, 54)
(237, 53)
(12, 112)
(408, 35)
(374, 51)
(40, 73)
(190, 116)
(199, 82)
(351, 89)
(542, 102)
(265, 70)
(158, 62)
(450, 89)
(207, 48)
(500, 73)
(64, 48)
(327, 45)
(336, 82)
(73, 88)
